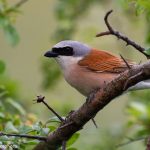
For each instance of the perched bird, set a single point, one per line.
(86, 68)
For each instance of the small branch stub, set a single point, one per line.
(127, 64)
(40, 99)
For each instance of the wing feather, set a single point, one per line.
(102, 61)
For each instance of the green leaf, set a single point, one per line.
(11, 34)
(25, 129)
(4, 138)
(37, 126)
(16, 105)
(44, 131)
(2, 115)
(32, 142)
(10, 128)
(53, 119)
(147, 51)
(4, 21)
(73, 139)
(2, 66)
(142, 132)
(3, 93)
(52, 128)
(137, 109)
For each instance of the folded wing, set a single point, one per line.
(102, 61)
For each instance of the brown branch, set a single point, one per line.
(131, 141)
(96, 102)
(41, 138)
(114, 32)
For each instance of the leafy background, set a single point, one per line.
(28, 30)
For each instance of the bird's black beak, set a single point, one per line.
(50, 54)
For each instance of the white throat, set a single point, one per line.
(67, 62)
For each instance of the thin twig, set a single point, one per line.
(41, 138)
(64, 145)
(40, 99)
(114, 32)
(127, 64)
(20, 3)
(94, 122)
(131, 141)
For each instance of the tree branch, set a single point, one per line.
(97, 101)
(133, 140)
(114, 32)
(41, 138)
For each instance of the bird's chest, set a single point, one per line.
(85, 81)
(75, 77)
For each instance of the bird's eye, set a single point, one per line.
(64, 51)
(68, 51)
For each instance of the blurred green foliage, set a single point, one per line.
(15, 119)
(140, 7)
(139, 113)
(7, 19)
(67, 13)
(51, 73)
(138, 110)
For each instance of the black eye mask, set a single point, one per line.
(64, 51)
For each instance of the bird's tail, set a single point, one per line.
(141, 85)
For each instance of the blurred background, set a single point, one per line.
(32, 28)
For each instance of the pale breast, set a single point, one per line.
(85, 81)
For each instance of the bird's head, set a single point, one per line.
(68, 52)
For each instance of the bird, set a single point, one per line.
(87, 69)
